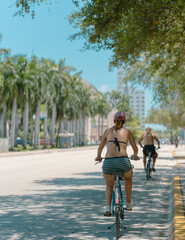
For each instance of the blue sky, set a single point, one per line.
(47, 35)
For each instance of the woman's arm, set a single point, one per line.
(101, 146)
(133, 144)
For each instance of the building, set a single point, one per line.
(95, 126)
(137, 97)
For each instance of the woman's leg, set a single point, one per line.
(109, 179)
(128, 185)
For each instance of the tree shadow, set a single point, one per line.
(72, 208)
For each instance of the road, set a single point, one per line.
(61, 195)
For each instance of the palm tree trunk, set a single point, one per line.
(98, 128)
(76, 132)
(80, 128)
(91, 129)
(31, 128)
(102, 126)
(83, 127)
(17, 121)
(46, 127)
(53, 119)
(25, 123)
(13, 116)
(3, 128)
(61, 130)
(37, 127)
(73, 131)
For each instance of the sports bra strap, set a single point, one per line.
(115, 141)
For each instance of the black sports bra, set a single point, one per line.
(115, 141)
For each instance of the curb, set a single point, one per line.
(179, 210)
(44, 151)
(177, 218)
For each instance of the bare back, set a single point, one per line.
(148, 138)
(122, 136)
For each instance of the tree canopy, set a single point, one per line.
(146, 37)
(131, 27)
(27, 6)
(170, 114)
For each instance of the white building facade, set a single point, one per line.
(137, 97)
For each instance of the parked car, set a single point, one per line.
(164, 141)
(42, 142)
(20, 141)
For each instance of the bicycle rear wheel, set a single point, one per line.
(147, 172)
(118, 222)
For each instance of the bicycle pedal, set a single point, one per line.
(122, 216)
(107, 214)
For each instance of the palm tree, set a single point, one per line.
(4, 95)
(103, 108)
(93, 111)
(114, 98)
(4, 91)
(37, 74)
(3, 51)
(80, 97)
(62, 89)
(49, 76)
(14, 69)
(25, 97)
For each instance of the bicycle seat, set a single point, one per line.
(148, 151)
(121, 174)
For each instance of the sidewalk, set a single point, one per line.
(179, 194)
(43, 151)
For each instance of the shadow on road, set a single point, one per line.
(72, 208)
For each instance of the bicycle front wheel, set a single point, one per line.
(118, 223)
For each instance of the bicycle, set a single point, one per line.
(148, 165)
(117, 201)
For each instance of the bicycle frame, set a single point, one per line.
(148, 166)
(117, 204)
(117, 201)
(117, 196)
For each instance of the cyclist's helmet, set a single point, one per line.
(120, 116)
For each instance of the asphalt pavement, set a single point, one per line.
(60, 194)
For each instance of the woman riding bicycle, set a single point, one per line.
(116, 158)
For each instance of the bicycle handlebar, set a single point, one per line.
(131, 158)
(136, 159)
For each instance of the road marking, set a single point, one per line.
(177, 157)
(179, 210)
(174, 154)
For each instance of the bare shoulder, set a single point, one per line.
(127, 131)
(108, 130)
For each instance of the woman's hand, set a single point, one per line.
(98, 159)
(135, 157)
